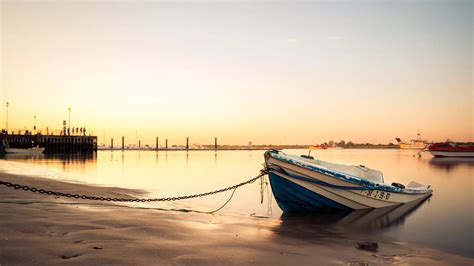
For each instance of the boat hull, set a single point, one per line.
(292, 197)
(417, 146)
(464, 154)
(24, 151)
(298, 189)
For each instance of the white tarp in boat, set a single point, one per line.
(358, 171)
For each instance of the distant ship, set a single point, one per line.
(32, 151)
(451, 149)
(27, 151)
(414, 144)
(318, 147)
(323, 147)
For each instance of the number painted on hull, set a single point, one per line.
(376, 194)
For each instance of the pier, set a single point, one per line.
(186, 146)
(53, 144)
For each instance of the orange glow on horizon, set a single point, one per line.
(184, 70)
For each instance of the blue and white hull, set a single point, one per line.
(293, 197)
(304, 185)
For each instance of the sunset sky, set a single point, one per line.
(266, 72)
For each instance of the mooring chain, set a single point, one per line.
(87, 197)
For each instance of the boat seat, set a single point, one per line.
(398, 185)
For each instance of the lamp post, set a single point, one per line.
(69, 121)
(7, 119)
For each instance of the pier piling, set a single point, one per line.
(157, 143)
(112, 143)
(123, 145)
(166, 144)
(215, 143)
(187, 143)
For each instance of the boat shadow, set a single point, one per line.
(323, 225)
(450, 163)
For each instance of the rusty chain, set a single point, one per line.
(87, 197)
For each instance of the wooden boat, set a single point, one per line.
(414, 144)
(318, 147)
(451, 149)
(27, 151)
(35, 150)
(302, 184)
(323, 147)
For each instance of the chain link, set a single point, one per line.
(87, 197)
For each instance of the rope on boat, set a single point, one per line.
(263, 172)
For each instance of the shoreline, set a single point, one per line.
(45, 229)
(256, 149)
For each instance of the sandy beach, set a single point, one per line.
(38, 229)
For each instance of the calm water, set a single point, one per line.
(444, 221)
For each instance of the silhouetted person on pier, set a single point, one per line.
(68, 132)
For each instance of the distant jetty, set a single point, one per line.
(204, 148)
(82, 144)
(53, 144)
(239, 147)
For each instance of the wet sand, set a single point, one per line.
(38, 229)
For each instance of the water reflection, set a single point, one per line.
(23, 157)
(449, 216)
(363, 221)
(449, 164)
(68, 158)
